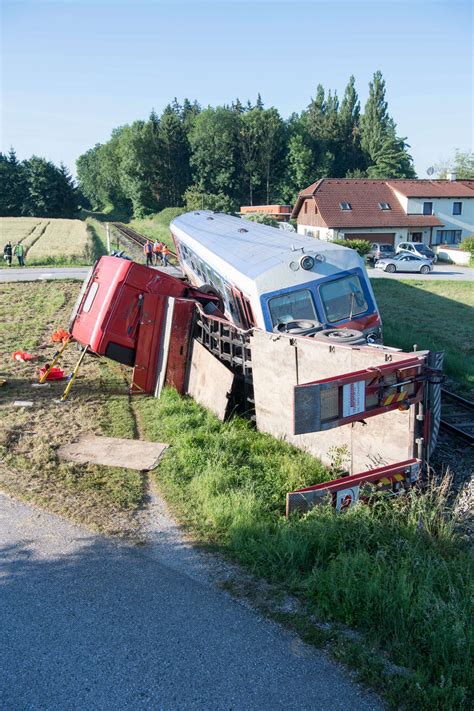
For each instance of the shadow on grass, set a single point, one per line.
(413, 313)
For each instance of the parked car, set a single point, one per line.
(405, 263)
(380, 250)
(418, 249)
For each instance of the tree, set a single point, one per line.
(374, 121)
(214, 144)
(349, 156)
(12, 185)
(50, 191)
(174, 170)
(272, 150)
(195, 199)
(386, 153)
(391, 159)
(299, 168)
(462, 164)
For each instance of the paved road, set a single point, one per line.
(46, 273)
(441, 271)
(91, 623)
(42, 273)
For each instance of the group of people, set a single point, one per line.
(156, 253)
(17, 251)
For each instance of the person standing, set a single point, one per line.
(8, 253)
(157, 251)
(165, 252)
(20, 254)
(148, 251)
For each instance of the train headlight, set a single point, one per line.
(307, 262)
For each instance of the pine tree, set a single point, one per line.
(386, 153)
(12, 185)
(375, 118)
(349, 156)
(299, 168)
(174, 174)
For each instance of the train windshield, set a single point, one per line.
(293, 306)
(343, 298)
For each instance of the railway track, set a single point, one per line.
(133, 236)
(129, 234)
(457, 415)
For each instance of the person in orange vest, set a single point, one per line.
(157, 251)
(165, 252)
(148, 252)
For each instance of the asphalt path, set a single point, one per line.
(42, 273)
(441, 271)
(445, 272)
(88, 622)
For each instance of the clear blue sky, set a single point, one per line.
(72, 70)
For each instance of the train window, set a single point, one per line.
(229, 297)
(90, 297)
(293, 306)
(343, 298)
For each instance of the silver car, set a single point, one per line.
(405, 263)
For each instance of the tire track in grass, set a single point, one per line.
(38, 237)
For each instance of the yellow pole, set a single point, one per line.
(56, 357)
(73, 376)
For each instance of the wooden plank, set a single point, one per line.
(113, 452)
(210, 381)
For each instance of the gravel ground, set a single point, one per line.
(88, 622)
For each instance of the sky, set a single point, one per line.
(72, 70)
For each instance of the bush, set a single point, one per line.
(468, 245)
(196, 199)
(262, 219)
(361, 246)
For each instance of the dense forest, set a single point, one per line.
(223, 157)
(36, 187)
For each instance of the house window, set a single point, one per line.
(345, 206)
(447, 237)
(427, 208)
(457, 208)
(384, 206)
(305, 207)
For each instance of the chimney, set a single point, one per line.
(451, 177)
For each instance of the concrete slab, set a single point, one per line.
(210, 382)
(114, 452)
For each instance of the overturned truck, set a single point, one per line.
(282, 329)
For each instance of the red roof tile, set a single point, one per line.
(364, 196)
(433, 188)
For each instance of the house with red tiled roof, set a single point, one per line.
(391, 211)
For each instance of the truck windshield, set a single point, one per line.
(293, 306)
(343, 298)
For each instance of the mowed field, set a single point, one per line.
(50, 241)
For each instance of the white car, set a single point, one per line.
(405, 263)
(417, 249)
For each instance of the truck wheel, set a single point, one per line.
(347, 336)
(390, 268)
(298, 328)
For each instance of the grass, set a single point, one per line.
(396, 571)
(436, 315)
(53, 242)
(157, 226)
(103, 498)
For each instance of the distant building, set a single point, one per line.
(390, 211)
(282, 213)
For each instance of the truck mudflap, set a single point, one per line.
(346, 491)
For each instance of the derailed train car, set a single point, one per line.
(284, 327)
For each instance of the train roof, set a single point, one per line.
(252, 248)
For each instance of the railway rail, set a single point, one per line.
(457, 415)
(133, 235)
(130, 234)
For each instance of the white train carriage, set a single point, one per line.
(275, 280)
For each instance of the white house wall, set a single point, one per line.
(443, 209)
